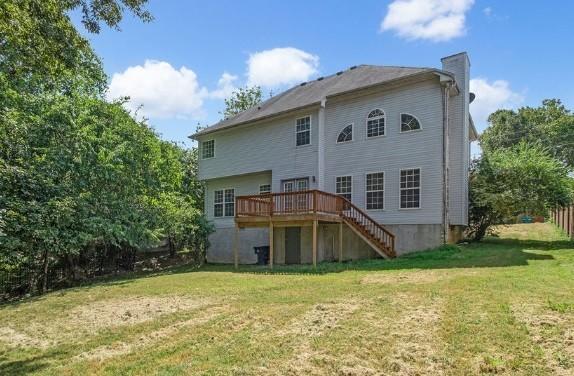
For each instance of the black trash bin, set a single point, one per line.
(262, 253)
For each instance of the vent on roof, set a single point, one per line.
(353, 67)
(320, 78)
(303, 84)
(339, 73)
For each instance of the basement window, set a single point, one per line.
(303, 131)
(376, 123)
(375, 192)
(344, 186)
(410, 188)
(409, 123)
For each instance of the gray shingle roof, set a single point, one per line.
(313, 92)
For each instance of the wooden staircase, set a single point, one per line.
(323, 203)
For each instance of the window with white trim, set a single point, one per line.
(409, 123)
(224, 203)
(375, 191)
(346, 134)
(264, 189)
(303, 131)
(208, 149)
(410, 188)
(376, 123)
(344, 186)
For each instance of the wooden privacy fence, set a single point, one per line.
(564, 218)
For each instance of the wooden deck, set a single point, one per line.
(308, 208)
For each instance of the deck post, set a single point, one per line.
(315, 243)
(236, 247)
(271, 241)
(341, 241)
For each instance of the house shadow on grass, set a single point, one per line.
(491, 253)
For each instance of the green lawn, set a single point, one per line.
(505, 306)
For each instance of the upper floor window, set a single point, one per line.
(303, 131)
(346, 134)
(375, 192)
(409, 123)
(344, 186)
(208, 149)
(410, 188)
(224, 203)
(376, 123)
(264, 189)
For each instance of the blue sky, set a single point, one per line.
(196, 52)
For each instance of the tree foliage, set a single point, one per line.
(524, 178)
(80, 176)
(551, 125)
(241, 100)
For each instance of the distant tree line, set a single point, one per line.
(526, 165)
(80, 178)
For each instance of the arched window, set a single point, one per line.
(346, 134)
(409, 123)
(376, 123)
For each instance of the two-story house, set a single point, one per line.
(373, 160)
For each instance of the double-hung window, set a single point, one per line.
(344, 186)
(224, 203)
(410, 188)
(375, 192)
(303, 131)
(376, 123)
(208, 149)
(264, 189)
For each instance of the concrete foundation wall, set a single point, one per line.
(409, 238)
(412, 238)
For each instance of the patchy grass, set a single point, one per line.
(503, 306)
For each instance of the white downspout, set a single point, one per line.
(321, 147)
(445, 160)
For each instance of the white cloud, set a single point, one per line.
(491, 96)
(487, 11)
(163, 91)
(280, 66)
(225, 86)
(435, 20)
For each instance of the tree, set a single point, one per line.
(521, 179)
(241, 100)
(551, 124)
(40, 49)
(80, 178)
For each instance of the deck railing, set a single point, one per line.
(316, 202)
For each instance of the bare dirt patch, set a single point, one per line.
(415, 277)
(123, 348)
(553, 332)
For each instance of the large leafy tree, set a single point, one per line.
(79, 175)
(550, 124)
(524, 178)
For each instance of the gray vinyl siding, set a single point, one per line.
(243, 185)
(267, 146)
(392, 152)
